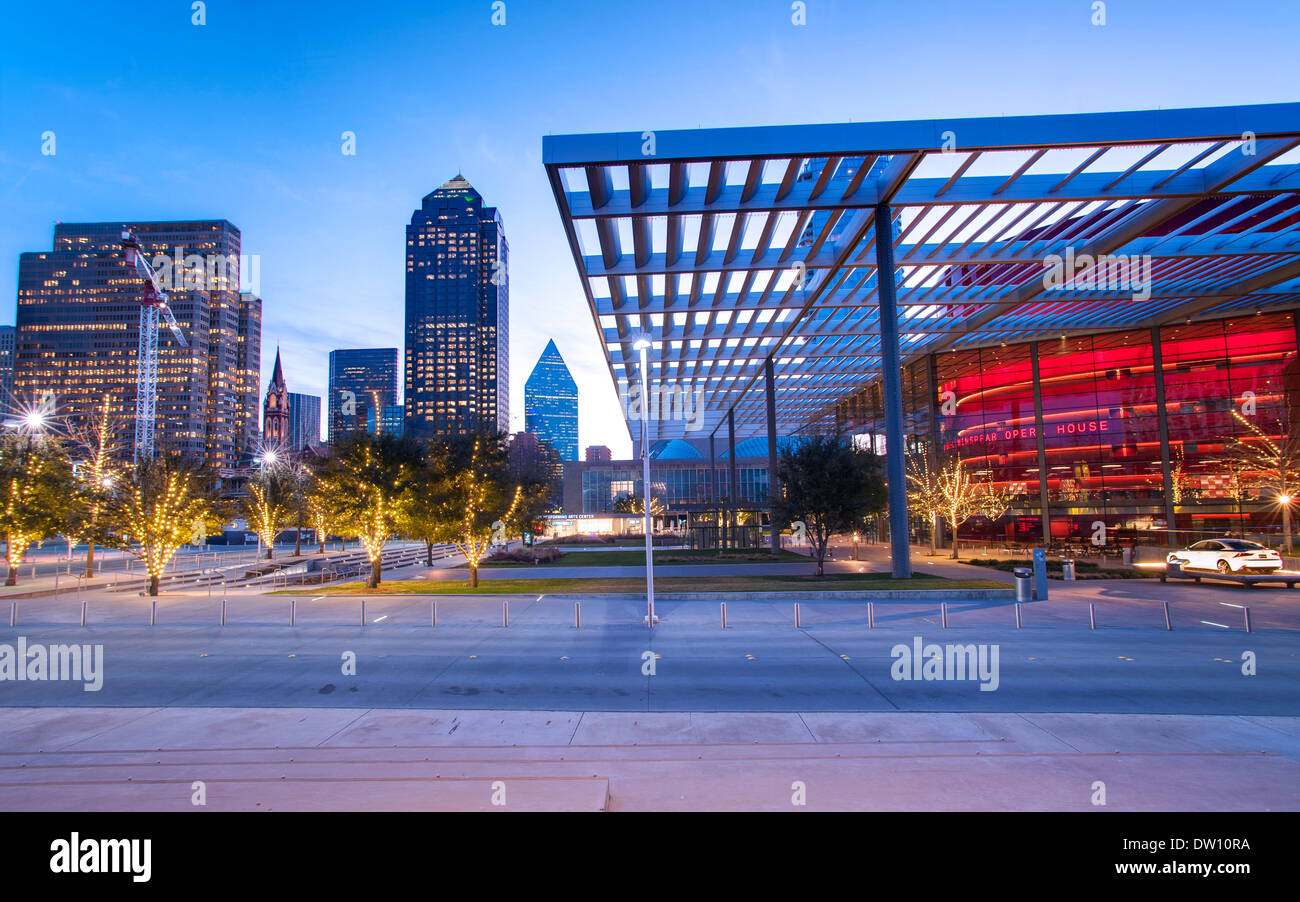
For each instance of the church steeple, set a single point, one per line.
(277, 375)
(275, 409)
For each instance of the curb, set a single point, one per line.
(1007, 594)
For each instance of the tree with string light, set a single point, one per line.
(483, 502)
(924, 494)
(318, 511)
(366, 484)
(97, 474)
(36, 479)
(955, 497)
(154, 512)
(266, 509)
(635, 504)
(1270, 465)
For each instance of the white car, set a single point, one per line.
(1228, 556)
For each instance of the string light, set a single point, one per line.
(161, 524)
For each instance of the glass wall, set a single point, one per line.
(1232, 391)
(675, 486)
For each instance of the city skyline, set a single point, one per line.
(324, 223)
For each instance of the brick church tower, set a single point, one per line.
(275, 410)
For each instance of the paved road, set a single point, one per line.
(761, 662)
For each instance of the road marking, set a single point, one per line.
(377, 619)
(1228, 604)
(1212, 623)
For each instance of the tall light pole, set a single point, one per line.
(643, 344)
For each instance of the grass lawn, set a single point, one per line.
(835, 582)
(636, 557)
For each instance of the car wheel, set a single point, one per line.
(1224, 568)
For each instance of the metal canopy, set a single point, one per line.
(732, 246)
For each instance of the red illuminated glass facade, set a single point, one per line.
(1081, 431)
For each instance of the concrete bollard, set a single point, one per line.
(223, 612)
(1092, 616)
(871, 615)
(1017, 615)
(505, 613)
(723, 610)
(1169, 623)
(577, 615)
(153, 612)
(83, 613)
(363, 612)
(433, 613)
(1246, 611)
(797, 623)
(943, 613)
(13, 613)
(293, 612)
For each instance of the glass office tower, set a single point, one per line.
(457, 315)
(360, 379)
(551, 403)
(304, 420)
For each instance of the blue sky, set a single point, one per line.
(241, 118)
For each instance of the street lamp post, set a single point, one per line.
(643, 345)
(1285, 500)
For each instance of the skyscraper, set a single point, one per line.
(78, 331)
(457, 315)
(248, 368)
(551, 403)
(304, 421)
(7, 336)
(360, 378)
(275, 410)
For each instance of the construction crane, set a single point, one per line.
(153, 308)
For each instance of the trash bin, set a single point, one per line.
(1067, 569)
(1024, 583)
(1128, 556)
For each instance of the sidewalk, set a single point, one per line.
(250, 759)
